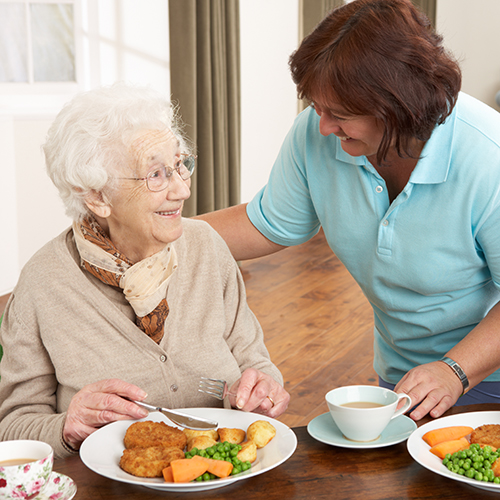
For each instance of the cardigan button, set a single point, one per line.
(173, 388)
(163, 358)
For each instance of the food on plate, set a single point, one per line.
(235, 436)
(437, 436)
(260, 432)
(200, 442)
(189, 469)
(475, 458)
(449, 447)
(475, 462)
(221, 451)
(154, 449)
(248, 452)
(191, 433)
(146, 433)
(149, 462)
(487, 434)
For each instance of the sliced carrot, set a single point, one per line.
(437, 436)
(185, 470)
(219, 468)
(167, 474)
(442, 449)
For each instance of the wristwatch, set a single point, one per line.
(458, 372)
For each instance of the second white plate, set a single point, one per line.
(419, 449)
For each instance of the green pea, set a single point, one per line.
(470, 473)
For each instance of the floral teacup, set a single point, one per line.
(25, 468)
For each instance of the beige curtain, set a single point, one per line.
(205, 82)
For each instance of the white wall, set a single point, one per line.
(269, 34)
(471, 31)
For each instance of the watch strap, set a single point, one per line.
(459, 372)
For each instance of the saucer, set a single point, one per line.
(59, 486)
(324, 429)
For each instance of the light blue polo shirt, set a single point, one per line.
(429, 263)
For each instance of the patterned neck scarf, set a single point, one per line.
(144, 283)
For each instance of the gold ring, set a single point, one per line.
(272, 402)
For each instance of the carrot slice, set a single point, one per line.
(185, 470)
(167, 474)
(437, 436)
(219, 468)
(442, 449)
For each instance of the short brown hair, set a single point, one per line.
(380, 58)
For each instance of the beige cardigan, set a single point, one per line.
(64, 329)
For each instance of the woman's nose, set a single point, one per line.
(178, 188)
(327, 125)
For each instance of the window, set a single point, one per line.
(37, 42)
(41, 52)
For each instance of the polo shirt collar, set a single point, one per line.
(434, 165)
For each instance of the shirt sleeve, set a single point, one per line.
(283, 211)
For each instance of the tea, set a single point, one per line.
(16, 461)
(362, 404)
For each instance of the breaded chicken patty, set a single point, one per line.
(488, 434)
(149, 462)
(147, 433)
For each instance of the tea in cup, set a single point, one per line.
(25, 468)
(362, 412)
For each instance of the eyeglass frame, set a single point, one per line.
(168, 170)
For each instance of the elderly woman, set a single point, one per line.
(402, 172)
(132, 301)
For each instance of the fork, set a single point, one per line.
(214, 387)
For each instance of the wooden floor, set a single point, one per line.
(317, 324)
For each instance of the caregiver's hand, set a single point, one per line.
(434, 386)
(255, 391)
(98, 404)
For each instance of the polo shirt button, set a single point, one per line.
(385, 222)
(379, 189)
(173, 388)
(163, 358)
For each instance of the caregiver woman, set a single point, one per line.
(402, 172)
(132, 301)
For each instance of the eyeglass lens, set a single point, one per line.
(160, 178)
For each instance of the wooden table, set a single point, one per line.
(314, 471)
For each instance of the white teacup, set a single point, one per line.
(368, 412)
(25, 468)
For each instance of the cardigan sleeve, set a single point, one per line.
(28, 384)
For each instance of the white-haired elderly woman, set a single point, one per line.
(132, 301)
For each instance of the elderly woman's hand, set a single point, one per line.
(255, 391)
(99, 404)
(433, 387)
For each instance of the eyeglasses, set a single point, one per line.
(159, 179)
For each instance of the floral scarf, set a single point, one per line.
(144, 283)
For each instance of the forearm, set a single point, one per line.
(243, 239)
(479, 352)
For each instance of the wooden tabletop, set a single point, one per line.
(314, 471)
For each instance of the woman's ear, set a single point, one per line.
(98, 204)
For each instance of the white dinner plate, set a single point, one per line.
(419, 449)
(102, 450)
(325, 430)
